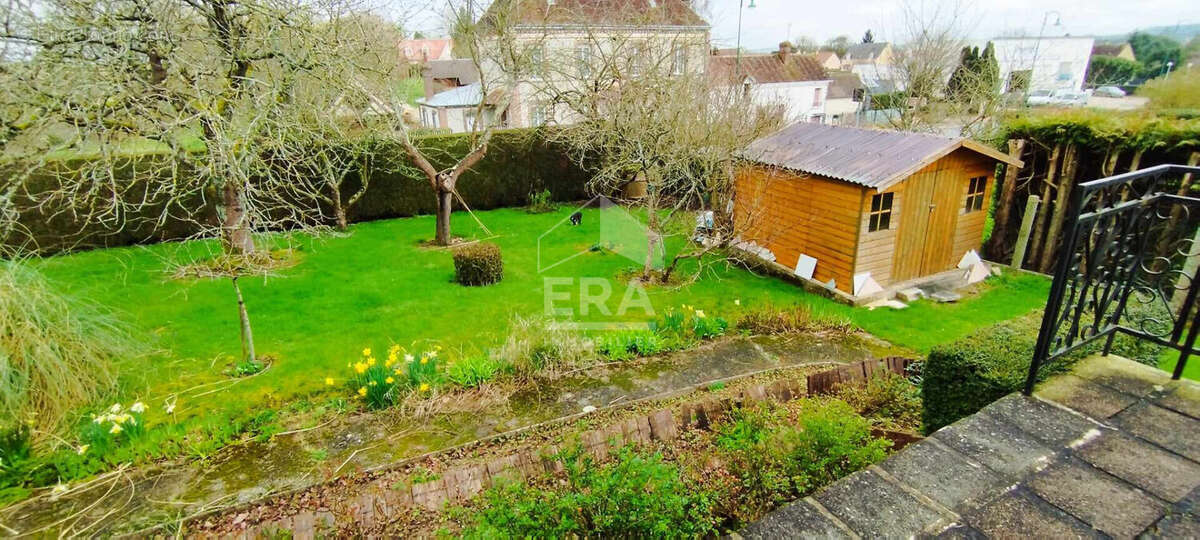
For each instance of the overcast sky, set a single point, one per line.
(772, 21)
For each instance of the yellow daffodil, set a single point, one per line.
(138, 407)
(328, 381)
(389, 380)
(371, 361)
(737, 302)
(700, 313)
(424, 387)
(424, 360)
(437, 347)
(394, 349)
(82, 449)
(362, 391)
(116, 428)
(367, 352)
(360, 367)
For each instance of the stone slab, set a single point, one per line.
(872, 507)
(1122, 375)
(799, 519)
(999, 446)
(945, 296)
(1166, 428)
(1183, 397)
(943, 475)
(1052, 425)
(1175, 526)
(1148, 467)
(1110, 505)
(958, 531)
(1082, 395)
(1017, 514)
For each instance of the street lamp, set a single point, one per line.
(741, 6)
(1167, 70)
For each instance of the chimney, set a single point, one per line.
(785, 52)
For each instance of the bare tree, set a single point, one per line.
(930, 40)
(634, 102)
(148, 112)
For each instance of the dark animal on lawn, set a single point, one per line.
(576, 218)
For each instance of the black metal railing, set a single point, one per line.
(1125, 265)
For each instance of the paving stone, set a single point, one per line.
(1146, 466)
(942, 474)
(1016, 514)
(996, 444)
(1122, 375)
(465, 482)
(909, 295)
(1082, 395)
(1055, 426)
(1175, 526)
(872, 507)
(945, 296)
(1166, 428)
(1182, 397)
(1098, 499)
(795, 520)
(957, 531)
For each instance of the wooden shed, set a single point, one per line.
(883, 205)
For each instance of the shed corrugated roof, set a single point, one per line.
(868, 157)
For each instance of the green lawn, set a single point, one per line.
(377, 286)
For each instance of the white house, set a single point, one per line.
(1043, 63)
(794, 84)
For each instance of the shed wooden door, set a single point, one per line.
(925, 241)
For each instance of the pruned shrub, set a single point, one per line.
(56, 352)
(540, 202)
(964, 376)
(478, 264)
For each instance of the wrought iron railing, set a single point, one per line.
(1125, 266)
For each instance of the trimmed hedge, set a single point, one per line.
(479, 264)
(964, 376)
(518, 162)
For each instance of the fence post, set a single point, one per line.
(1031, 208)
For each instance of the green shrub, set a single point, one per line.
(540, 202)
(962, 377)
(704, 327)
(478, 264)
(630, 344)
(473, 371)
(776, 462)
(632, 496)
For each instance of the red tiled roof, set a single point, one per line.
(413, 49)
(765, 68)
(599, 12)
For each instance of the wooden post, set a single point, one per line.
(1047, 185)
(999, 238)
(1066, 183)
(1031, 209)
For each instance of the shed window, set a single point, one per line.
(881, 212)
(975, 193)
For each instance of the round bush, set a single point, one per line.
(478, 264)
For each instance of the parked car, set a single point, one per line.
(1069, 99)
(1109, 91)
(1039, 97)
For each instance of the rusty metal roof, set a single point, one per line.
(868, 157)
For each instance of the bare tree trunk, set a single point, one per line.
(996, 244)
(236, 228)
(444, 208)
(1065, 184)
(1136, 163)
(1039, 226)
(244, 317)
(339, 210)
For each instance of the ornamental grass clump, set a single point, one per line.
(478, 264)
(56, 352)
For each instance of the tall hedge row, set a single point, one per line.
(518, 162)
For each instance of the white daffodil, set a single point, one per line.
(138, 407)
(116, 408)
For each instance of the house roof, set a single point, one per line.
(844, 84)
(872, 158)
(597, 12)
(411, 48)
(462, 69)
(462, 96)
(824, 56)
(765, 69)
(864, 51)
(1108, 49)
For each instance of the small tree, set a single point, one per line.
(1110, 70)
(645, 120)
(1155, 52)
(838, 45)
(868, 37)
